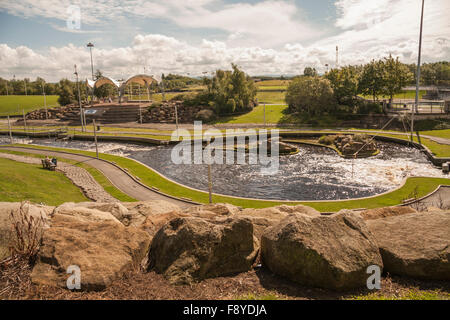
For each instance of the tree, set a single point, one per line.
(371, 82)
(312, 95)
(344, 82)
(105, 90)
(310, 72)
(395, 76)
(66, 93)
(231, 91)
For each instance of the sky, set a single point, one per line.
(47, 37)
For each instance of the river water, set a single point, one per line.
(315, 173)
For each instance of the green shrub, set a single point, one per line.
(311, 95)
(327, 140)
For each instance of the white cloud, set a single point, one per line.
(263, 38)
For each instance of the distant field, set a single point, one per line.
(404, 95)
(272, 88)
(273, 83)
(272, 97)
(13, 105)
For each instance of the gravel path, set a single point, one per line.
(79, 177)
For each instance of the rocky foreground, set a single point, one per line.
(107, 241)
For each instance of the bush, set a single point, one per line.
(368, 108)
(311, 95)
(327, 140)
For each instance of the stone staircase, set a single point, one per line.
(108, 113)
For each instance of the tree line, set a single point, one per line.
(338, 90)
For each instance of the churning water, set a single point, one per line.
(315, 173)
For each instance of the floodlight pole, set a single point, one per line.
(79, 102)
(10, 133)
(90, 45)
(210, 183)
(416, 105)
(95, 137)
(45, 101)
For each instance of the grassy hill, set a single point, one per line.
(13, 105)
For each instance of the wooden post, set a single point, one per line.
(210, 183)
(264, 115)
(24, 122)
(10, 133)
(176, 117)
(140, 114)
(95, 137)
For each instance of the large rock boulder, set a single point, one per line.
(103, 250)
(210, 211)
(139, 211)
(327, 251)
(267, 217)
(205, 115)
(83, 212)
(415, 245)
(379, 213)
(153, 223)
(191, 249)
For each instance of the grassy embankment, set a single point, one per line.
(419, 186)
(96, 174)
(21, 181)
(14, 105)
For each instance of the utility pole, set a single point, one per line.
(45, 100)
(176, 118)
(162, 87)
(416, 105)
(24, 122)
(90, 46)
(264, 115)
(210, 183)
(95, 137)
(10, 133)
(337, 57)
(79, 102)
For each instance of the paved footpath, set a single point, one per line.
(118, 177)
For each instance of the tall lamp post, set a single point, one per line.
(416, 105)
(90, 45)
(79, 101)
(45, 100)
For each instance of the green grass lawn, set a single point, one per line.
(438, 133)
(13, 105)
(422, 186)
(273, 115)
(410, 94)
(96, 174)
(270, 83)
(272, 97)
(20, 182)
(272, 88)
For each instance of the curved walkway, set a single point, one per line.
(118, 177)
(79, 177)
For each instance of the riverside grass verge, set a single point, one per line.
(415, 186)
(20, 181)
(96, 174)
